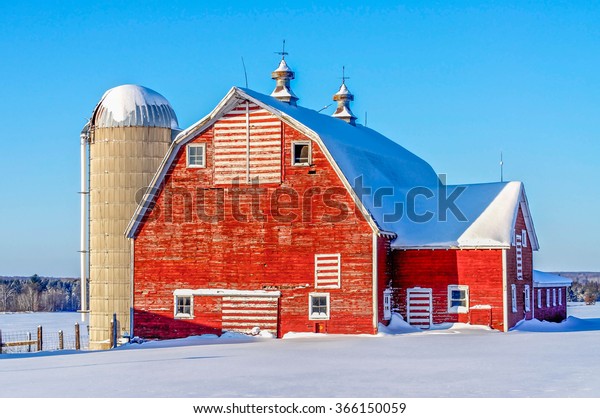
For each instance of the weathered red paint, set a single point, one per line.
(202, 234)
(511, 269)
(480, 269)
(178, 247)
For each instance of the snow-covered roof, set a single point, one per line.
(384, 178)
(343, 90)
(283, 67)
(544, 279)
(133, 105)
(481, 216)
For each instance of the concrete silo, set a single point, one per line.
(127, 137)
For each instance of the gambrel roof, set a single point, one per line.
(382, 177)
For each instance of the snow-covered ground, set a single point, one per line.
(458, 361)
(15, 326)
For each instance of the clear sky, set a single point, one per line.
(454, 82)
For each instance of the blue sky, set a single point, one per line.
(454, 82)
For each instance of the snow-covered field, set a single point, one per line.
(15, 326)
(459, 361)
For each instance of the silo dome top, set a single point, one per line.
(132, 105)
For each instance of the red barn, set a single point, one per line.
(266, 214)
(477, 269)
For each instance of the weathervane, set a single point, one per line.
(282, 53)
(344, 78)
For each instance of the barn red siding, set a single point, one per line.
(384, 272)
(511, 275)
(481, 270)
(549, 311)
(270, 247)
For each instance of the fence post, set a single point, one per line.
(40, 342)
(29, 339)
(0, 341)
(77, 342)
(112, 333)
(61, 340)
(114, 330)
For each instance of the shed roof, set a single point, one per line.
(544, 279)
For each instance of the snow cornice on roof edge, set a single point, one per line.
(491, 211)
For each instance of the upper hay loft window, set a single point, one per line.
(196, 155)
(301, 153)
(328, 271)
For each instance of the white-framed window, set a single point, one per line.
(560, 297)
(519, 252)
(301, 153)
(318, 306)
(387, 304)
(328, 271)
(539, 298)
(527, 297)
(513, 297)
(458, 298)
(547, 298)
(554, 297)
(524, 238)
(196, 155)
(184, 306)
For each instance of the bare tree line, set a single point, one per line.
(39, 294)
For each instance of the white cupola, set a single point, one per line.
(282, 76)
(343, 98)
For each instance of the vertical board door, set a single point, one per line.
(419, 307)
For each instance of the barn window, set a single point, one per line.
(519, 252)
(301, 153)
(539, 298)
(318, 306)
(547, 298)
(553, 297)
(458, 298)
(327, 271)
(513, 296)
(183, 307)
(196, 155)
(527, 298)
(524, 238)
(387, 304)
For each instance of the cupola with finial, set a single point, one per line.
(343, 98)
(282, 75)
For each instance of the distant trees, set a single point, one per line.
(39, 294)
(585, 291)
(9, 289)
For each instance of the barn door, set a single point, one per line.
(243, 313)
(419, 307)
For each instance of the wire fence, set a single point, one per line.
(41, 340)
